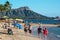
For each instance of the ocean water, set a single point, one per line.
(54, 30)
(43, 21)
(54, 33)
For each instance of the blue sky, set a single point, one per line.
(49, 8)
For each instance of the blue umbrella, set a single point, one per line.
(18, 25)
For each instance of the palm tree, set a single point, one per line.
(1, 6)
(1, 9)
(7, 7)
(4, 8)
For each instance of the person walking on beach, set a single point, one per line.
(25, 28)
(29, 28)
(14, 22)
(39, 31)
(45, 33)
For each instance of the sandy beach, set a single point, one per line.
(17, 34)
(29, 19)
(20, 34)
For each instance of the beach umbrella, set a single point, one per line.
(18, 25)
(21, 20)
(5, 17)
(10, 19)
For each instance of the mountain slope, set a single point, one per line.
(25, 13)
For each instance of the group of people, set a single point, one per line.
(9, 29)
(42, 30)
(27, 28)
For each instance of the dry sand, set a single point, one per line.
(17, 34)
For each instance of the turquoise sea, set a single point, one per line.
(54, 30)
(43, 21)
(54, 33)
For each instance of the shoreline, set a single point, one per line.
(35, 24)
(46, 25)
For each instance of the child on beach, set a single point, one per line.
(45, 33)
(29, 28)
